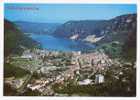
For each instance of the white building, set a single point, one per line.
(85, 82)
(99, 79)
(27, 55)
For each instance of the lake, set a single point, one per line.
(60, 44)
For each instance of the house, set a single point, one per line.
(99, 79)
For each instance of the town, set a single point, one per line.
(48, 68)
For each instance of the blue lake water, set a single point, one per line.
(54, 43)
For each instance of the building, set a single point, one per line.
(85, 82)
(26, 55)
(99, 79)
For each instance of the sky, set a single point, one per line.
(60, 13)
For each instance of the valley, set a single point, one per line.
(77, 58)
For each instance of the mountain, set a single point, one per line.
(82, 28)
(15, 40)
(117, 36)
(98, 30)
(121, 37)
(38, 28)
(119, 28)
